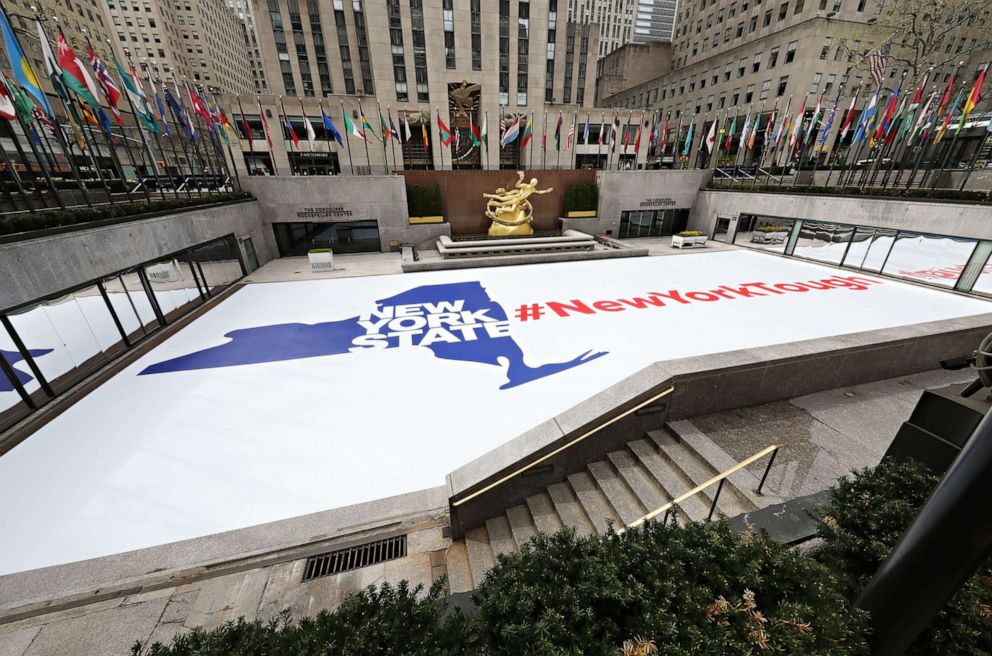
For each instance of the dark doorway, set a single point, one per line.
(342, 237)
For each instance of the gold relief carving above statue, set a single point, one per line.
(510, 211)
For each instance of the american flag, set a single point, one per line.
(878, 62)
(571, 135)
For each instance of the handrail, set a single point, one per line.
(564, 446)
(721, 477)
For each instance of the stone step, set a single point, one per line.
(638, 479)
(620, 496)
(543, 512)
(480, 554)
(597, 508)
(500, 536)
(674, 482)
(570, 510)
(459, 572)
(699, 472)
(745, 482)
(521, 524)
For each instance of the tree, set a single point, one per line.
(923, 33)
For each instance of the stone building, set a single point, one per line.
(626, 21)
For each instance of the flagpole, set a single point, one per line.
(385, 157)
(544, 143)
(305, 121)
(368, 158)
(558, 141)
(26, 161)
(213, 127)
(392, 144)
(950, 149)
(351, 161)
(282, 131)
(230, 152)
(182, 128)
(327, 133)
(907, 145)
(575, 138)
(190, 120)
(485, 140)
(175, 153)
(202, 154)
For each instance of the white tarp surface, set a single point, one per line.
(332, 392)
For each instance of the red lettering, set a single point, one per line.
(763, 287)
(641, 303)
(745, 293)
(562, 309)
(672, 295)
(791, 287)
(609, 306)
(702, 296)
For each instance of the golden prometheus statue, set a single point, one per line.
(510, 211)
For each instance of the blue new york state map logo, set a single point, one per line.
(456, 321)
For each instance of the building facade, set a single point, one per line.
(202, 41)
(473, 63)
(734, 57)
(625, 21)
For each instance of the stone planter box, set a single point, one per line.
(321, 261)
(688, 242)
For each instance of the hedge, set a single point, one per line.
(581, 197)
(424, 200)
(868, 513)
(887, 192)
(53, 218)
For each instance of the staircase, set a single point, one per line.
(620, 488)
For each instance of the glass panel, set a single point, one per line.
(823, 242)
(12, 406)
(139, 299)
(878, 250)
(219, 262)
(173, 285)
(983, 284)
(765, 233)
(61, 326)
(929, 258)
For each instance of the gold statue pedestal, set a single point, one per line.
(510, 211)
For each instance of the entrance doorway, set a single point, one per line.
(652, 223)
(294, 239)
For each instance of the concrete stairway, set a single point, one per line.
(620, 488)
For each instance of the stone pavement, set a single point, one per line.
(827, 434)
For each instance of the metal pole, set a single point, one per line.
(41, 164)
(16, 177)
(351, 162)
(181, 124)
(974, 158)
(172, 143)
(368, 158)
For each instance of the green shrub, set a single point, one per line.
(772, 228)
(424, 200)
(691, 233)
(390, 620)
(581, 197)
(867, 514)
(884, 192)
(701, 588)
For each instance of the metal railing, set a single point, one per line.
(719, 478)
(567, 445)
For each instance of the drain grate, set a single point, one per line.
(363, 555)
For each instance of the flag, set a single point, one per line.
(878, 62)
(445, 133)
(797, 126)
(602, 131)
(484, 133)
(947, 118)
(511, 134)
(74, 76)
(558, 134)
(406, 126)
(179, 111)
(526, 135)
(265, 123)
(571, 134)
(225, 126)
(165, 122)
(366, 126)
(914, 105)
(769, 127)
(846, 125)
(138, 99)
(473, 132)
(664, 136)
(311, 134)
(829, 122)
(23, 105)
(865, 120)
(20, 67)
(923, 119)
(332, 129)
(811, 128)
(754, 131)
(585, 132)
(637, 139)
(544, 141)
(292, 132)
(688, 141)
(384, 128)
(394, 133)
(110, 89)
(711, 137)
(615, 128)
(747, 126)
(973, 98)
(423, 132)
(886, 119)
(7, 109)
(199, 108)
(351, 128)
(730, 134)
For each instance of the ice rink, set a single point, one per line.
(296, 397)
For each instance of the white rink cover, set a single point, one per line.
(296, 397)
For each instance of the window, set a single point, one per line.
(790, 52)
(448, 22)
(753, 25)
(709, 103)
(767, 20)
(722, 101)
(741, 65)
(756, 63)
(827, 43)
(736, 97)
(773, 57)
(783, 11)
(783, 83)
(815, 84)
(727, 71)
(830, 83)
(740, 29)
(765, 87)
(749, 93)
(476, 35)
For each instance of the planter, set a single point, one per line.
(688, 242)
(321, 261)
(581, 215)
(417, 220)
